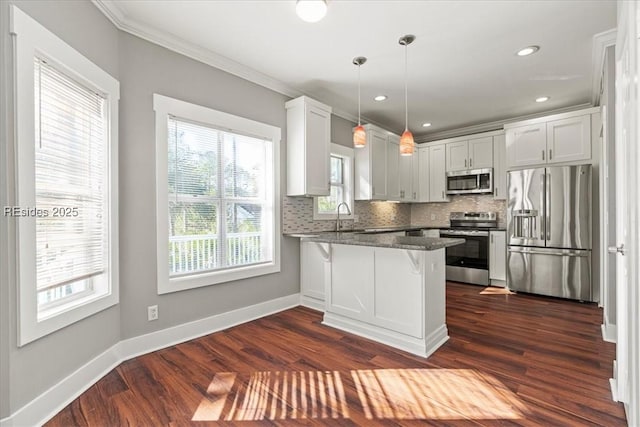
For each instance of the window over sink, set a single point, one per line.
(341, 186)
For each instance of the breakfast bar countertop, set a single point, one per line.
(385, 240)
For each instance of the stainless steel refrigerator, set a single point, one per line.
(549, 231)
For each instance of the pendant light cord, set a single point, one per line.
(359, 94)
(406, 104)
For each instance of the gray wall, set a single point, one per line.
(32, 369)
(146, 69)
(342, 131)
(142, 69)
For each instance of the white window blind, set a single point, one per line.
(220, 209)
(70, 178)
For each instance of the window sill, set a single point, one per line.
(199, 280)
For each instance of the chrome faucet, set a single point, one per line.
(338, 210)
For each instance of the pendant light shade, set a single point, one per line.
(359, 134)
(359, 137)
(407, 145)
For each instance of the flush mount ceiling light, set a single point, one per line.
(359, 134)
(406, 140)
(542, 99)
(311, 10)
(380, 98)
(426, 125)
(525, 51)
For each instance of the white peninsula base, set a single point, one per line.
(393, 296)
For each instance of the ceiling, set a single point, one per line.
(463, 69)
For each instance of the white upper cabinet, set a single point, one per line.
(526, 145)
(481, 153)
(457, 155)
(437, 174)
(474, 153)
(569, 139)
(499, 168)
(405, 176)
(371, 166)
(393, 168)
(308, 147)
(423, 180)
(561, 138)
(415, 176)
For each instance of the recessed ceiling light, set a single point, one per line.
(542, 99)
(380, 98)
(426, 125)
(528, 50)
(311, 10)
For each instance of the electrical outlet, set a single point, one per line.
(152, 312)
(433, 217)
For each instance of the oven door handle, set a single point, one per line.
(463, 233)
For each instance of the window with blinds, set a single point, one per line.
(337, 194)
(220, 198)
(71, 173)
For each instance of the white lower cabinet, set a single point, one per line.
(313, 257)
(497, 258)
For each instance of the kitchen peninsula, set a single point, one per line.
(385, 287)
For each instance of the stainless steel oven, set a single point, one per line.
(469, 262)
(476, 181)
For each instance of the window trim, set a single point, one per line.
(32, 39)
(348, 156)
(164, 107)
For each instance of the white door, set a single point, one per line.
(627, 375)
(481, 153)
(526, 145)
(423, 174)
(499, 168)
(569, 139)
(393, 168)
(406, 176)
(317, 146)
(457, 156)
(378, 166)
(437, 174)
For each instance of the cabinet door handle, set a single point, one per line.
(492, 239)
(470, 162)
(542, 154)
(443, 194)
(465, 163)
(414, 195)
(496, 190)
(550, 154)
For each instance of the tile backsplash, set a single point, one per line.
(421, 213)
(297, 215)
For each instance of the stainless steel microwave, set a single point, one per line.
(475, 181)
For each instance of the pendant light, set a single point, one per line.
(311, 10)
(359, 134)
(406, 140)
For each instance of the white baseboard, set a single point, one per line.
(420, 347)
(52, 401)
(609, 332)
(312, 303)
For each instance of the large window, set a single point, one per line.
(341, 186)
(217, 210)
(66, 204)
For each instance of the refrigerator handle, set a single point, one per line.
(542, 203)
(547, 207)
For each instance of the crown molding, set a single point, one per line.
(601, 42)
(495, 125)
(113, 12)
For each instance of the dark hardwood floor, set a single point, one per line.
(511, 360)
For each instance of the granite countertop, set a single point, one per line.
(370, 230)
(416, 243)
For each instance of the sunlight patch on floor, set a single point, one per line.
(402, 394)
(420, 394)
